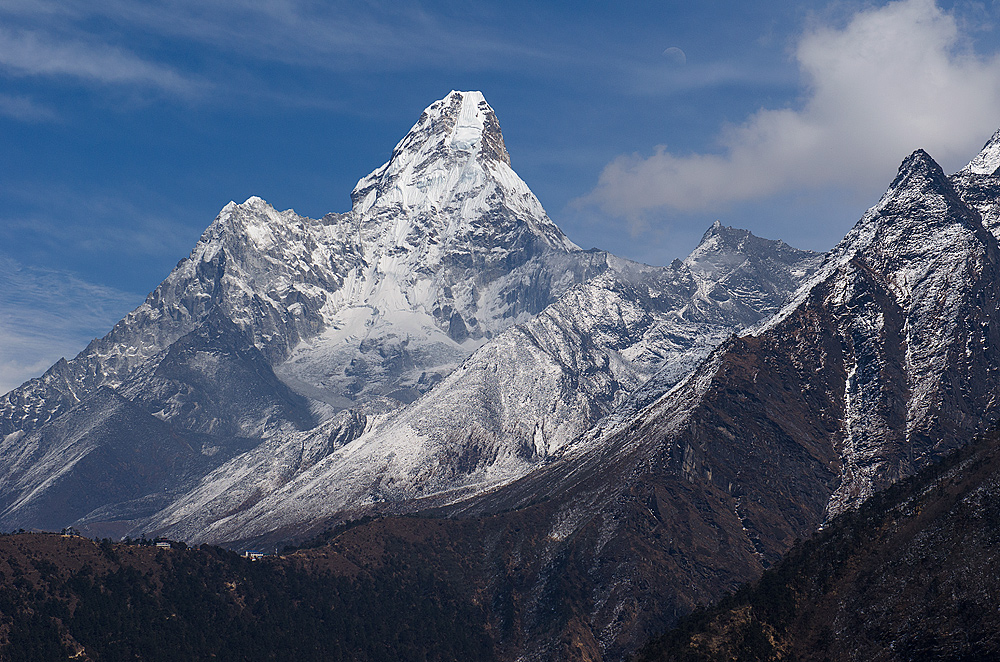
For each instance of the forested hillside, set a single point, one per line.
(68, 597)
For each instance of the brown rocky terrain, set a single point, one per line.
(910, 575)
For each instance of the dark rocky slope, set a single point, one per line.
(910, 575)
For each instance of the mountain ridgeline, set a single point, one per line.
(580, 448)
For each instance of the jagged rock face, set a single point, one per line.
(921, 361)
(215, 381)
(909, 299)
(739, 275)
(241, 269)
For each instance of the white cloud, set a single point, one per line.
(336, 35)
(48, 314)
(893, 79)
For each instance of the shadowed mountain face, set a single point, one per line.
(882, 364)
(314, 365)
(910, 575)
(108, 454)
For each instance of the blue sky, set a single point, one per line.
(126, 126)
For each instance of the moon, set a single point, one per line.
(675, 55)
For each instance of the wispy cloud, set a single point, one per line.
(47, 314)
(232, 47)
(336, 35)
(890, 80)
(26, 109)
(103, 222)
(26, 52)
(236, 41)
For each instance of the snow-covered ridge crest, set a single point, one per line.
(885, 238)
(988, 160)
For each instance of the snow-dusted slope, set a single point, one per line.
(987, 162)
(519, 399)
(915, 284)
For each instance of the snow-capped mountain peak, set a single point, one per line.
(254, 221)
(729, 265)
(450, 173)
(988, 160)
(463, 122)
(442, 154)
(919, 219)
(722, 248)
